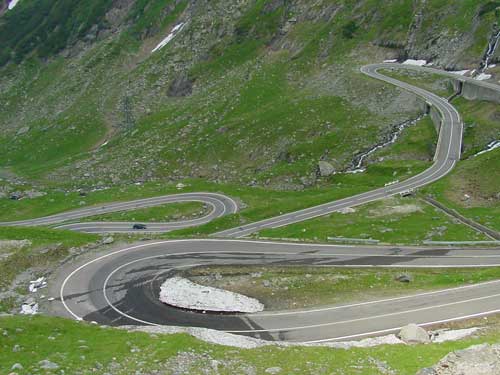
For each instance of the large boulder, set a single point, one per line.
(477, 360)
(413, 334)
(325, 169)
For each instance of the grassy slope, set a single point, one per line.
(242, 85)
(385, 221)
(284, 288)
(47, 247)
(87, 348)
(382, 220)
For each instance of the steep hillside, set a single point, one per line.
(249, 92)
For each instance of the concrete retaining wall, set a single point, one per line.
(470, 91)
(435, 117)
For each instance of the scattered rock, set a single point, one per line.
(34, 194)
(108, 240)
(413, 334)
(347, 210)
(16, 195)
(14, 244)
(17, 366)
(273, 370)
(477, 360)
(404, 278)
(325, 169)
(23, 130)
(48, 365)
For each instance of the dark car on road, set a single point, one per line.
(139, 226)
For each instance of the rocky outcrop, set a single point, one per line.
(181, 86)
(477, 360)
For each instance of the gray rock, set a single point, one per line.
(273, 370)
(325, 169)
(17, 366)
(23, 130)
(427, 371)
(476, 360)
(404, 278)
(16, 195)
(34, 194)
(412, 334)
(108, 240)
(16, 348)
(48, 365)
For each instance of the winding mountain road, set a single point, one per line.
(122, 287)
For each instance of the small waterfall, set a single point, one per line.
(492, 46)
(397, 130)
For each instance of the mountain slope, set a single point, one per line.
(249, 92)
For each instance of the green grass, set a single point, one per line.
(91, 349)
(166, 213)
(393, 221)
(295, 287)
(418, 142)
(472, 189)
(48, 246)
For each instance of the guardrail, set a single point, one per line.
(354, 240)
(461, 242)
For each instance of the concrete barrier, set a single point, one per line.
(476, 91)
(435, 117)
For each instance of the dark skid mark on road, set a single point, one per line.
(434, 252)
(373, 261)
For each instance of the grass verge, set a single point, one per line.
(166, 213)
(80, 347)
(393, 220)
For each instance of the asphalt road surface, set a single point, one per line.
(122, 287)
(220, 206)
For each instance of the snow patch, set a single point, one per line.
(415, 62)
(12, 4)
(183, 293)
(245, 342)
(37, 284)
(169, 37)
(391, 61)
(490, 147)
(483, 77)
(460, 72)
(448, 335)
(30, 307)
